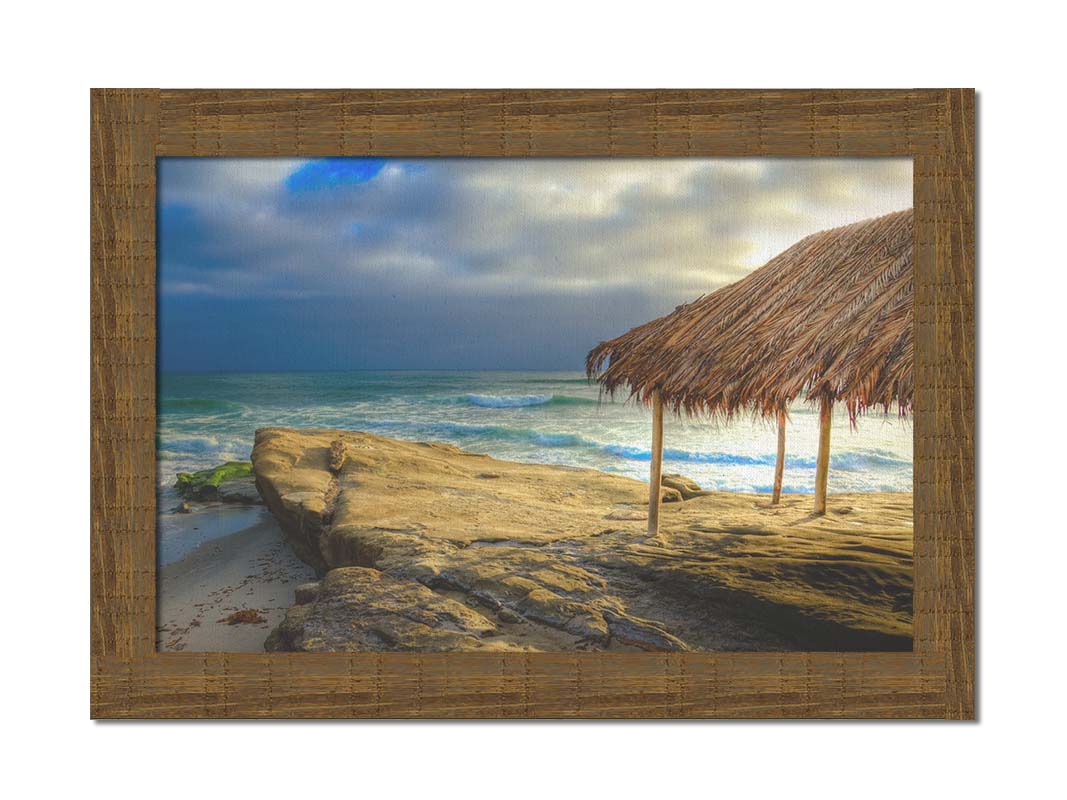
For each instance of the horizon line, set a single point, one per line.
(161, 371)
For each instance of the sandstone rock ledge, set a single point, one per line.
(427, 547)
(355, 609)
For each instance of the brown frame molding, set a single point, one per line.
(131, 127)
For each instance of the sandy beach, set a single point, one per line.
(250, 570)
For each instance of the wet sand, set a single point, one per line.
(250, 570)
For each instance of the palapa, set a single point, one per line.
(829, 319)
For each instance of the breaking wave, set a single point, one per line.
(524, 400)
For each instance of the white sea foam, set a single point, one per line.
(498, 401)
(533, 417)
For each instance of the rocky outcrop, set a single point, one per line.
(686, 488)
(354, 609)
(425, 546)
(338, 452)
(239, 490)
(231, 482)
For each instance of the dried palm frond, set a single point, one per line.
(829, 317)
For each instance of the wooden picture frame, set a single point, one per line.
(130, 128)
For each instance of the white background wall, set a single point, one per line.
(50, 58)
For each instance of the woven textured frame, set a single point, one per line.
(131, 127)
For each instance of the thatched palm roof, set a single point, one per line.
(829, 317)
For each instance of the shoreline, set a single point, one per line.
(252, 569)
(421, 546)
(181, 534)
(532, 417)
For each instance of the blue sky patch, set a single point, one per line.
(330, 173)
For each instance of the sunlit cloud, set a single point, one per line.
(410, 252)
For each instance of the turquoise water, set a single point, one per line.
(551, 418)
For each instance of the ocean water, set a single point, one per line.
(550, 418)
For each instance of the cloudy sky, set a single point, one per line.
(279, 264)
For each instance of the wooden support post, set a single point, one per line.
(655, 476)
(779, 464)
(822, 465)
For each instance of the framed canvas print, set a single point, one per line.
(533, 403)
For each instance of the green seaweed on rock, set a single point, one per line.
(205, 483)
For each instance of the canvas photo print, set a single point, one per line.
(440, 405)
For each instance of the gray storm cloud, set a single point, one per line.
(566, 251)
